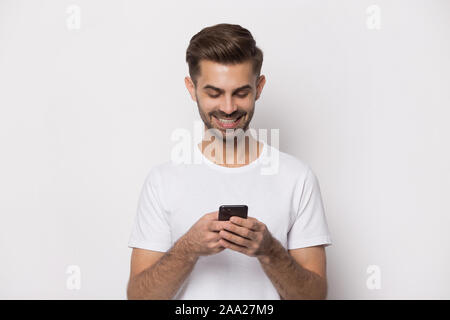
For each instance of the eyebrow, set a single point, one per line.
(208, 86)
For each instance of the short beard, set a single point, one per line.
(238, 133)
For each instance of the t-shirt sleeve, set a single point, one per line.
(151, 229)
(310, 227)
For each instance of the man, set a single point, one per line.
(180, 248)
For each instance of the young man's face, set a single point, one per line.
(226, 92)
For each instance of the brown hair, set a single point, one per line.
(223, 43)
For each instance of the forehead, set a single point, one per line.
(225, 76)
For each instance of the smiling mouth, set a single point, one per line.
(227, 123)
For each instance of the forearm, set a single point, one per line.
(292, 281)
(162, 280)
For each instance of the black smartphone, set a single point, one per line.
(227, 211)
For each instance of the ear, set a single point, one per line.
(191, 87)
(260, 86)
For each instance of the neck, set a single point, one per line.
(233, 152)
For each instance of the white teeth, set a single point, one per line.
(227, 121)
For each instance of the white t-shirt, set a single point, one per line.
(286, 199)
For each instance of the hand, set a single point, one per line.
(251, 236)
(203, 237)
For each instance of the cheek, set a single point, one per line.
(246, 104)
(207, 105)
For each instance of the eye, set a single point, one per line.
(213, 96)
(242, 95)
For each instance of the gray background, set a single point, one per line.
(86, 113)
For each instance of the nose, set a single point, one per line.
(228, 105)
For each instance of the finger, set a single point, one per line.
(235, 239)
(250, 223)
(216, 225)
(216, 242)
(219, 249)
(218, 245)
(214, 215)
(217, 236)
(242, 231)
(229, 245)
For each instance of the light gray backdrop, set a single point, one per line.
(90, 92)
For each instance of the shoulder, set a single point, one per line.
(165, 172)
(288, 164)
(161, 168)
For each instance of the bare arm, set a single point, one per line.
(162, 280)
(159, 276)
(292, 281)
